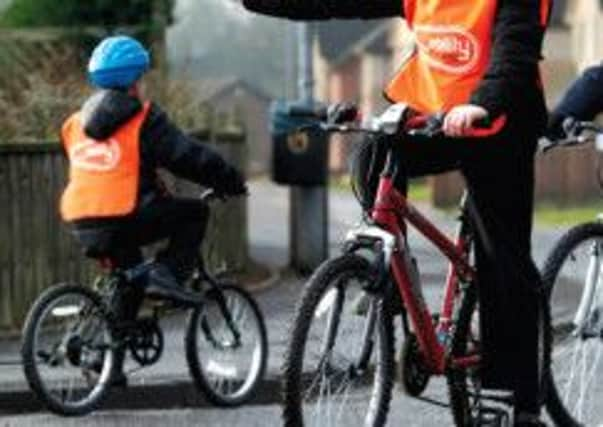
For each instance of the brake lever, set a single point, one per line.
(433, 127)
(545, 145)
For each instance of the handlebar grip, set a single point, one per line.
(484, 123)
(486, 127)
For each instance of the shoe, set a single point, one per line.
(163, 285)
(119, 380)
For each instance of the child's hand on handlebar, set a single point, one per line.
(460, 120)
(233, 184)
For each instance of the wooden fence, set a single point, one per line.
(563, 176)
(37, 251)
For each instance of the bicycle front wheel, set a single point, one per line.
(67, 351)
(574, 278)
(227, 346)
(339, 363)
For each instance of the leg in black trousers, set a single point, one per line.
(501, 184)
(183, 221)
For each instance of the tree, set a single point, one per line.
(106, 13)
(217, 38)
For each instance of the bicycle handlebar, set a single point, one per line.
(398, 119)
(319, 112)
(210, 195)
(576, 133)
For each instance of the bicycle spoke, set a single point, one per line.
(577, 356)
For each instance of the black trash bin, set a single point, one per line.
(299, 158)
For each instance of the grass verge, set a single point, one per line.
(550, 214)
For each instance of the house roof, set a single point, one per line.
(341, 39)
(213, 88)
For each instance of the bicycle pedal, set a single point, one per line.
(493, 417)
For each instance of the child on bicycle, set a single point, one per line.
(472, 60)
(582, 101)
(114, 200)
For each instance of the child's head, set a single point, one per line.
(118, 63)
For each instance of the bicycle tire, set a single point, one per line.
(314, 291)
(30, 368)
(195, 365)
(457, 378)
(552, 267)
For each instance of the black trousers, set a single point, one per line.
(182, 221)
(499, 173)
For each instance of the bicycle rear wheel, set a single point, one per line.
(572, 274)
(339, 363)
(67, 351)
(227, 346)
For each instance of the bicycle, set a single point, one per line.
(573, 277)
(339, 364)
(72, 338)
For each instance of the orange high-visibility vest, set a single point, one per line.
(103, 175)
(453, 43)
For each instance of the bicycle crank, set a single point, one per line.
(146, 342)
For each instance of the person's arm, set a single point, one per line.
(516, 51)
(188, 158)
(583, 100)
(326, 9)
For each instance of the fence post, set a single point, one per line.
(227, 239)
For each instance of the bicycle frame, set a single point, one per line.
(390, 214)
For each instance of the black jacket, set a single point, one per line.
(162, 145)
(511, 81)
(583, 100)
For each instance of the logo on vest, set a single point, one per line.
(95, 156)
(449, 48)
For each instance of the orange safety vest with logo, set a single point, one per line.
(103, 175)
(453, 43)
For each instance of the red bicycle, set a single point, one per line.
(340, 365)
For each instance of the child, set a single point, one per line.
(582, 101)
(114, 201)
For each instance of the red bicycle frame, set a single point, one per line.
(391, 212)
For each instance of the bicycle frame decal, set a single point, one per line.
(390, 212)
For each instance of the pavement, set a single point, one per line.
(164, 395)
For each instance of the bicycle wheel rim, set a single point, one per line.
(230, 368)
(83, 342)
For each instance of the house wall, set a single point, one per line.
(586, 19)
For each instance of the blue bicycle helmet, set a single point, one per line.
(117, 62)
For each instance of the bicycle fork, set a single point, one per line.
(590, 308)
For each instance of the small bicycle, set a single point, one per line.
(72, 339)
(573, 276)
(340, 365)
